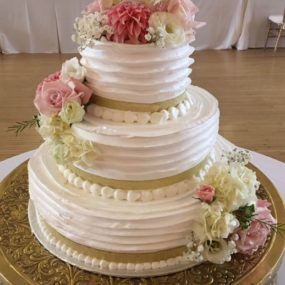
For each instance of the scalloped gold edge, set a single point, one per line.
(9, 273)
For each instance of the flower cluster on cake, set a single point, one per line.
(132, 169)
(164, 23)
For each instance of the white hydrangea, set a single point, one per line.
(218, 224)
(51, 128)
(165, 30)
(235, 185)
(72, 69)
(90, 28)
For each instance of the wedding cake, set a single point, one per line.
(133, 178)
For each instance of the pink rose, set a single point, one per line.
(185, 10)
(52, 95)
(256, 235)
(129, 21)
(98, 6)
(206, 193)
(52, 77)
(84, 92)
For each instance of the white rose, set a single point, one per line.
(72, 112)
(168, 29)
(72, 69)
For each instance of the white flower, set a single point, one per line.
(235, 185)
(72, 112)
(219, 251)
(72, 69)
(166, 30)
(90, 28)
(60, 153)
(217, 223)
(51, 127)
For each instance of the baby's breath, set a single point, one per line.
(237, 156)
(90, 28)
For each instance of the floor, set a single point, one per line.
(250, 87)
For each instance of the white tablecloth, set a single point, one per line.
(36, 26)
(274, 170)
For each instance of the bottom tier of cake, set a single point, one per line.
(111, 231)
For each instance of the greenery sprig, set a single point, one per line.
(27, 124)
(277, 228)
(245, 215)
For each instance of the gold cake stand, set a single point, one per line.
(23, 260)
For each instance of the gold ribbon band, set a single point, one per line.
(137, 185)
(116, 256)
(138, 107)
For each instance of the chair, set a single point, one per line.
(276, 27)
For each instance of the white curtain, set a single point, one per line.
(255, 24)
(224, 21)
(46, 26)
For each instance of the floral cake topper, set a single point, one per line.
(165, 23)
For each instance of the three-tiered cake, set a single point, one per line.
(130, 180)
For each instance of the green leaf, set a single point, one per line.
(21, 126)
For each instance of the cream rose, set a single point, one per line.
(167, 28)
(219, 251)
(72, 112)
(71, 69)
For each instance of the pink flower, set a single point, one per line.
(84, 92)
(98, 6)
(51, 97)
(129, 22)
(52, 77)
(256, 235)
(206, 193)
(185, 10)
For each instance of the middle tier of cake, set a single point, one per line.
(140, 152)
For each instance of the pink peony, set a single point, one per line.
(51, 97)
(256, 235)
(52, 77)
(84, 92)
(129, 22)
(98, 6)
(206, 193)
(185, 10)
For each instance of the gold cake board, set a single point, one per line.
(23, 260)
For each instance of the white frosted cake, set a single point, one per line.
(133, 178)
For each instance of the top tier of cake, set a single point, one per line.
(141, 74)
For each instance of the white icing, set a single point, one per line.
(153, 151)
(139, 117)
(139, 195)
(109, 224)
(140, 74)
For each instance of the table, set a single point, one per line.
(274, 169)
